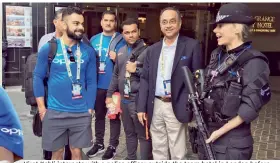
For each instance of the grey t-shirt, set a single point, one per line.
(45, 39)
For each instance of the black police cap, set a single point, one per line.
(234, 13)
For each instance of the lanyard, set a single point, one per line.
(100, 46)
(67, 61)
(162, 64)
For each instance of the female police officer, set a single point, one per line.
(236, 85)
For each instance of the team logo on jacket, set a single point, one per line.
(11, 131)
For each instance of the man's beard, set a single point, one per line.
(73, 36)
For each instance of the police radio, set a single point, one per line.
(229, 61)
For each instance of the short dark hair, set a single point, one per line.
(58, 12)
(71, 10)
(108, 12)
(130, 21)
(173, 9)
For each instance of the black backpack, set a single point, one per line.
(28, 77)
(28, 74)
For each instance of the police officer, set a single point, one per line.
(236, 85)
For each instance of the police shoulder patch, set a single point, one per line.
(265, 93)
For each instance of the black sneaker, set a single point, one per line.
(96, 149)
(110, 153)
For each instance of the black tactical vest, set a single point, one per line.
(223, 92)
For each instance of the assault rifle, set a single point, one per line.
(197, 109)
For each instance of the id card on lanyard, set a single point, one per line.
(166, 83)
(102, 65)
(76, 86)
(127, 88)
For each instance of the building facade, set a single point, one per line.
(23, 37)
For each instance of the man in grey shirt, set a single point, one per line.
(58, 30)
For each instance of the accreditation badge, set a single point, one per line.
(102, 68)
(167, 87)
(76, 91)
(127, 87)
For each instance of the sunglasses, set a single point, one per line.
(72, 58)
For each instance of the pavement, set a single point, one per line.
(265, 129)
(32, 144)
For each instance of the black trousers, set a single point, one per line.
(134, 131)
(100, 114)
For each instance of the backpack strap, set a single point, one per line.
(52, 53)
(134, 55)
(115, 42)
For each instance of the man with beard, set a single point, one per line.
(71, 89)
(126, 79)
(47, 37)
(101, 43)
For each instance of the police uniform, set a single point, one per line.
(241, 89)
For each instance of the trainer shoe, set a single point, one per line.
(96, 149)
(110, 153)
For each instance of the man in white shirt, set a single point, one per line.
(163, 97)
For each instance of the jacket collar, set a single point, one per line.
(237, 49)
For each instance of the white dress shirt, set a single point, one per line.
(165, 64)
